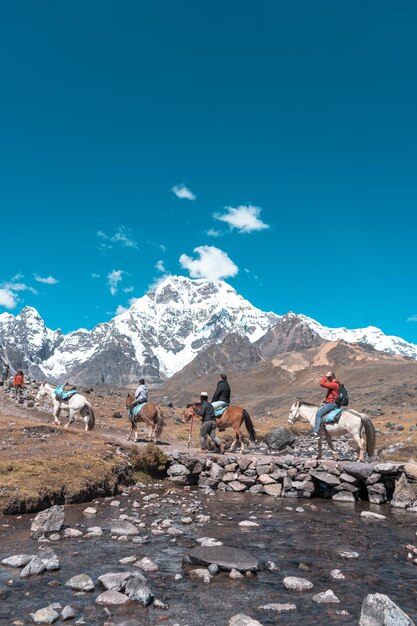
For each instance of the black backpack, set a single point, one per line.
(343, 399)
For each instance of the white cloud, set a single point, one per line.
(211, 263)
(128, 289)
(113, 279)
(121, 309)
(160, 266)
(93, 275)
(181, 191)
(8, 299)
(13, 286)
(47, 280)
(122, 236)
(212, 232)
(412, 318)
(244, 218)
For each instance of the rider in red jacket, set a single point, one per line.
(330, 383)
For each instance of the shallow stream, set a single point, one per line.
(305, 544)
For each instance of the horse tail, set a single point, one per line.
(370, 434)
(160, 421)
(249, 425)
(91, 417)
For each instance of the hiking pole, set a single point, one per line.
(191, 430)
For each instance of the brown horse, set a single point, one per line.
(151, 414)
(234, 416)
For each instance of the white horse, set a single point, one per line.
(357, 425)
(77, 402)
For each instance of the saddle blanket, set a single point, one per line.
(219, 408)
(333, 416)
(65, 395)
(138, 407)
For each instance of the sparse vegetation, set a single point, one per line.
(150, 460)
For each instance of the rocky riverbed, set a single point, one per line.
(161, 555)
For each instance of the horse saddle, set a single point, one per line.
(219, 408)
(136, 408)
(333, 417)
(62, 395)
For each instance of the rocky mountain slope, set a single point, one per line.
(165, 330)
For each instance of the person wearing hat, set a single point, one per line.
(208, 423)
(18, 382)
(332, 385)
(221, 396)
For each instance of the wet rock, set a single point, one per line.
(326, 597)
(45, 616)
(90, 511)
(177, 469)
(112, 598)
(207, 542)
(295, 583)
(362, 471)
(216, 472)
(122, 527)
(18, 560)
(336, 574)
(36, 566)
(67, 612)
(325, 477)
(379, 610)
(238, 485)
(225, 557)
(116, 581)
(48, 558)
(137, 589)
(265, 479)
(48, 521)
(72, 533)
(93, 531)
(200, 574)
(243, 620)
(373, 478)
(279, 438)
(248, 524)
(410, 469)
(404, 493)
(214, 569)
(81, 582)
(256, 489)
(146, 565)
(343, 496)
(127, 559)
(234, 574)
(274, 490)
(278, 608)
(349, 554)
(377, 493)
(372, 515)
(388, 468)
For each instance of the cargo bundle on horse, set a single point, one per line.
(232, 417)
(147, 412)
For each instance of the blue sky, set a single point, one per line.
(296, 116)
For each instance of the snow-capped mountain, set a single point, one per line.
(162, 332)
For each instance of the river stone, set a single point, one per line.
(295, 583)
(214, 569)
(226, 557)
(279, 608)
(45, 616)
(256, 489)
(48, 558)
(67, 612)
(279, 438)
(265, 479)
(112, 598)
(122, 527)
(36, 566)
(336, 574)
(137, 589)
(379, 610)
(234, 574)
(326, 597)
(236, 485)
(18, 560)
(49, 521)
(388, 468)
(146, 565)
(274, 490)
(81, 582)
(90, 511)
(410, 469)
(247, 480)
(72, 532)
(357, 469)
(372, 515)
(216, 472)
(404, 493)
(343, 496)
(377, 493)
(373, 478)
(243, 620)
(114, 581)
(200, 574)
(325, 477)
(349, 554)
(248, 524)
(177, 469)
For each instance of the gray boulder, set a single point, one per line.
(45, 616)
(404, 494)
(243, 620)
(279, 438)
(49, 521)
(379, 610)
(18, 560)
(136, 589)
(362, 471)
(226, 557)
(122, 527)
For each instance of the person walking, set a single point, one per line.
(5, 373)
(208, 424)
(18, 383)
(332, 385)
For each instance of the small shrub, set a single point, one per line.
(151, 460)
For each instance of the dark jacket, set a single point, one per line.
(206, 412)
(222, 393)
